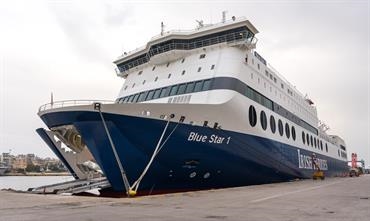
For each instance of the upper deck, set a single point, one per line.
(228, 31)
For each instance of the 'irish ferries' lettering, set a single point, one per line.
(305, 162)
(216, 139)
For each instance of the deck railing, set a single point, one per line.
(69, 103)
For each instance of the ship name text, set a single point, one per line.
(215, 139)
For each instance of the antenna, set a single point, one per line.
(200, 23)
(224, 16)
(162, 28)
(51, 99)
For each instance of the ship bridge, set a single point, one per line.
(176, 44)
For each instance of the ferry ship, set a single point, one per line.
(198, 109)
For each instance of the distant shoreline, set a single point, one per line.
(38, 174)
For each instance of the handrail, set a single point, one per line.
(70, 103)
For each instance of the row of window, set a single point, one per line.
(178, 89)
(313, 142)
(289, 131)
(222, 83)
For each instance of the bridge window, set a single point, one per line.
(252, 116)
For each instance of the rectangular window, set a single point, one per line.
(174, 90)
(157, 93)
(202, 56)
(143, 96)
(189, 87)
(199, 69)
(135, 98)
(163, 92)
(198, 86)
(182, 88)
(212, 67)
(131, 98)
(207, 85)
(150, 95)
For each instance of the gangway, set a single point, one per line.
(72, 187)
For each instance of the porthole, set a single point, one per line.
(272, 124)
(182, 61)
(183, 72)
(280, 126)
(308, 139)
(303, 138)
(153, 68)
(252, 116)
(287, 130)
(169, 76)
(192, 175)
(156, 78)
(199, 69)
(293, 133)
(311, 140)
(263, 120)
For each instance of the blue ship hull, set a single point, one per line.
(184, 164)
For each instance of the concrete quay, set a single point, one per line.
(331, 199)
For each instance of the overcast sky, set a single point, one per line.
(67, 47)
